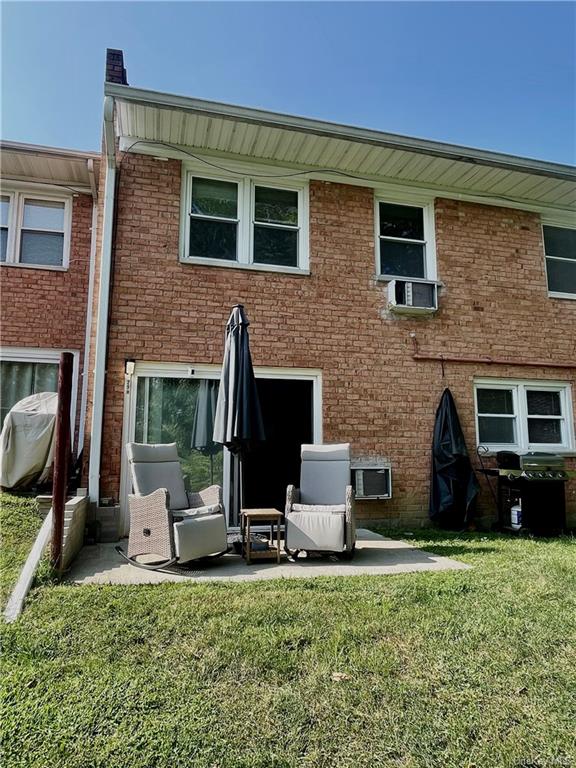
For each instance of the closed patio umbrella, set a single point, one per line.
(203, 426)
(238, 422)
(453, 484)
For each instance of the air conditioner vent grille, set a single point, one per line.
(373, 482)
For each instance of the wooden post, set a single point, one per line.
(61, 456)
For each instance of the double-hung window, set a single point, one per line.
(242, 222)
(405, 241)
(276, 227)
(214, 219)
(34, 229)
(524, 416)
(560, 250)
(5, 202)
(28, 371)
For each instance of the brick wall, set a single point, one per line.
(374, 394)
(47, 308)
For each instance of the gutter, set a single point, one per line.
(100, 347)
(212, 109)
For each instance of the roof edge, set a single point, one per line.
(41, 149)
(341, 131)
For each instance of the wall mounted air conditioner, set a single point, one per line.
(373, 482)
(412, 297)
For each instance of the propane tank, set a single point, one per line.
(516, 516)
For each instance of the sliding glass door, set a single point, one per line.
(181, 411)
(175, 402)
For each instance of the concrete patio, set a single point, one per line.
(375, 556)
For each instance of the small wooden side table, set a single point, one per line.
(254, 516)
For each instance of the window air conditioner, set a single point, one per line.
(373, 482)
(411, 297)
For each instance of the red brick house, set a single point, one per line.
(48, 212)
(376, 270)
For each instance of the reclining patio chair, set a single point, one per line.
(166, 520)
(320, 514)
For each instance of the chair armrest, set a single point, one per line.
(350, 517)
(292, 497)
(151, 524)
(157, 500)
(208, 497)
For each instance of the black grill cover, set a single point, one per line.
(453, 484)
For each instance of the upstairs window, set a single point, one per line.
(34, 230)
(4, 220)
(276, 227)
(240, 222)
(405, 241)
(214, 219)
(524, 416)
(42, 232)
(560, 250)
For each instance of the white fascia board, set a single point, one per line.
(340, 131)
(40, 149)
(66, 188)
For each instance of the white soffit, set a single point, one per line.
(28, 162)
(301, 143)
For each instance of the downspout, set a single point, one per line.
(103, 303)
(86, 366)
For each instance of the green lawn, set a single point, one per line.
(447, 669)
(20, 521)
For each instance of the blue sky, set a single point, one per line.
(498, 76)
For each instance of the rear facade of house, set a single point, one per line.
(375, 270)
(320, 233)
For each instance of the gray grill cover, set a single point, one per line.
(27, 441)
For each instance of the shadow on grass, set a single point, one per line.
(450, 551)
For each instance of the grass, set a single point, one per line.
(450, 669)
(20, 521)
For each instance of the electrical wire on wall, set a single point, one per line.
(291, 175)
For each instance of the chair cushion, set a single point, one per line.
(333, 509)
(324, 531)
(157, 466)
(324, 482)
(152, 452)
(326, 452)
(325, 473)
(200, 536)
(212, 509)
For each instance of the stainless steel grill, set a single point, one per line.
(535, 482)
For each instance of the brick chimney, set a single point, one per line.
(115, 71)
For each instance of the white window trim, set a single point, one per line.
(555, 294)
(246, 194)
(430, 263)
(37, 355)
(15, 218)
(519, 388)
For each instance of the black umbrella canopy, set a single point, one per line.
(453, 485)
(238, 422)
